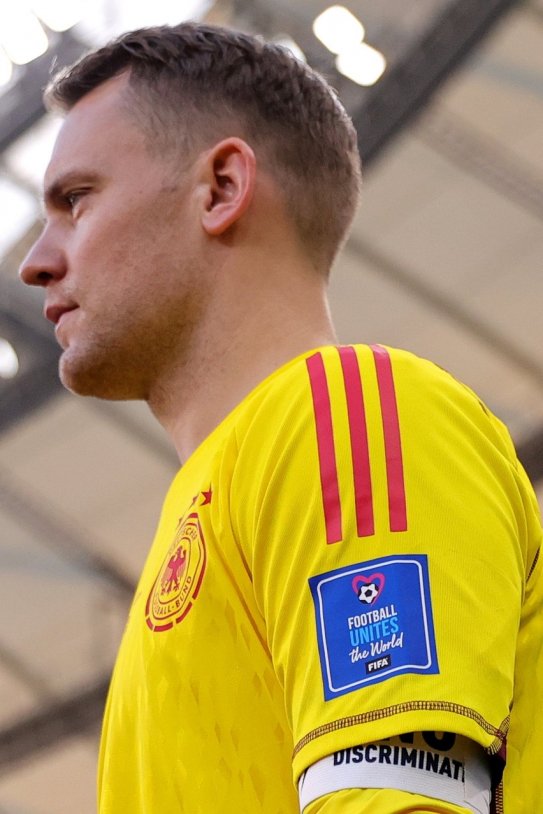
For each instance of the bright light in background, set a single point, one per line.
(338, 29)
(22, 39)
(135, 13)
(28, 157)
(104, 19)
(9, 362)
(58, 15)
(362, 64)
(18, 211)
(21, 34)
(287, 42)
(6, 68)
(343, 34)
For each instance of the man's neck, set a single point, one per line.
(243, 341)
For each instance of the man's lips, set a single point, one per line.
(54, 312)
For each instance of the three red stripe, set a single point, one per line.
(359, 443)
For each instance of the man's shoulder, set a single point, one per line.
(333, 370)
(340, 385)
(328, 383)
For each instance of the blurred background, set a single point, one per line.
(445, 259)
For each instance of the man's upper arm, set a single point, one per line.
(382, 528)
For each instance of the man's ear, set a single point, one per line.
(230, 174)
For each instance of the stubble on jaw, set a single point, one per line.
(134, 354)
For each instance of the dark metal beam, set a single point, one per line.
(408, 84)
(22, 103)
(79, 713)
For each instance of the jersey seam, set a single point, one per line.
(532, 569)
(409, 706)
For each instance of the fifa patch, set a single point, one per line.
(374, 621)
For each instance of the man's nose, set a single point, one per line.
(44, 263)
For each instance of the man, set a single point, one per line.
(341, 608)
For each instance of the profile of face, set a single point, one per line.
(118, 256)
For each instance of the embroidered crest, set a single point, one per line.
(179, 580)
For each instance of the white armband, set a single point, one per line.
(439, 765)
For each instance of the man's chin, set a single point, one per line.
(79, 384)
(80, 378)
(83, 378)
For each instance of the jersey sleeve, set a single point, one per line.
(384, 524)
(380, 801)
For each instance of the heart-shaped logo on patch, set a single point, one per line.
(368, 589)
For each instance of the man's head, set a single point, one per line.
(191, 85)
(183, 150)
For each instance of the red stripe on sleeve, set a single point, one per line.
(359, 441)
(326, 448)
(393, 448)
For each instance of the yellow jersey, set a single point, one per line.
(349, 557)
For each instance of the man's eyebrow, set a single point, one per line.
(55, 189)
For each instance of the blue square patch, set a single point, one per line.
(374, 621)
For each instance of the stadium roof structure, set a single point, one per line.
(444, 260)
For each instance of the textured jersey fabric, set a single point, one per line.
(350, 555)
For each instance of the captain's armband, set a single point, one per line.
(439, 765)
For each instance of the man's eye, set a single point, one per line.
(73, 198)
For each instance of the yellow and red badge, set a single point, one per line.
(179, 580)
